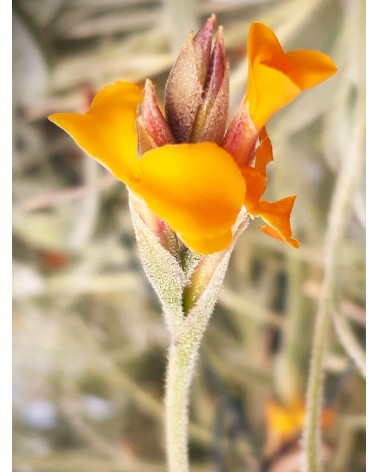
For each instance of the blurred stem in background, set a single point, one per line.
(351, 158)
(289, 364)
(180, 17)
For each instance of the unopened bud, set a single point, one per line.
(153, 130)
(211, 118)
(186, 81)
(202, 42)
(241, 136)
(200, 279)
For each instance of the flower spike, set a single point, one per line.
(200, 186)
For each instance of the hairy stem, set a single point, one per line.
(183, 352)
(179, 374)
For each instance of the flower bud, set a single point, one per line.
(211, 118)
(153, 130)
(186, 82)
(241, 136)
(202, 42)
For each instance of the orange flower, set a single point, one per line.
(199, 188)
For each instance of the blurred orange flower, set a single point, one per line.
(285, 422)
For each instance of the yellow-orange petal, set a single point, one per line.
(196, 188)
(255, 177)
(108, 131)
(309, 68)
(264, 153)
(208, 245)
(274, 233)
(275, 78)
(255, 187)
(277, 216)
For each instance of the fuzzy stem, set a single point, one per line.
(179, 374)
(185, 343)
(182, 356)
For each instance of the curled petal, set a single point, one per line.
(196, 188)
(275, 78)
(107, 131)
(277, 216)
(256, 185)
(309, 68)
(277, 234)
(264, 153)
(255, 177)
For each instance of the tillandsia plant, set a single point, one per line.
(194, 184)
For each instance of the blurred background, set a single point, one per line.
(89, 339)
